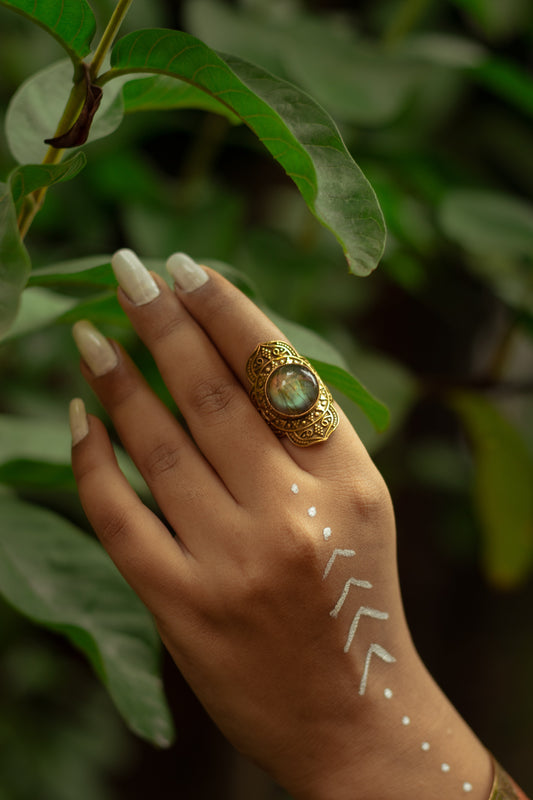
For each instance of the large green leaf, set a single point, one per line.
(44, 444)
(61, 578)
(297, 132)
(14, 260)
(71, 22)
(162, 93)
(488, 222)
(502, 489)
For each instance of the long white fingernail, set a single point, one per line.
(187, 273)
(79, 424)
(94, 348)
(133, 277)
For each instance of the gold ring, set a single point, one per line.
(289, 394)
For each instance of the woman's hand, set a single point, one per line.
(278, 596)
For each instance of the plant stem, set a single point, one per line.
(72, 110)
(109, 35)
(403, 21)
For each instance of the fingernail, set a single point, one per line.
(133, 277)
(94, 348)
(79, 424)
(187, 273)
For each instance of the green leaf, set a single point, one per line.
(346, 383)
(38, 308)
(487, 222)
(42, 444)
(161, 93)
(71, 22)
(25, 180)
(296, 131)
(14, 260)
(502, 490)
(61, 578)
(508, 81)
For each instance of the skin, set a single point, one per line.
(238, 593)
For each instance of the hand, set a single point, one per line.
(278, 596)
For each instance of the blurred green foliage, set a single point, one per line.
(434, 101)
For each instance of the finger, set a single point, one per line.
(227, 429)
(177, 474)
(139, 544)
(237, 326)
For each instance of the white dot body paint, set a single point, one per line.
(388, 693)
(406, 720)
(311, 511)
(445, 767)
(326, 533)
(294, 488)
(467, 786)
(426, 746)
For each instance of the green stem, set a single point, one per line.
(403, 21)
(72, 110)
(108, 36)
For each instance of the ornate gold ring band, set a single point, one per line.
(289, 394)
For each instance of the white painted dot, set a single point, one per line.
(467, 786)
(327, 533)
(294, 488)
(425, 746)
(312, 511)
(406, 720)
(445, 767)
(388, 693)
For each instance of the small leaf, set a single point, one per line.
(14, 260)
(487, 222)
(71, 22)
(27, 179)
(296, 131)
(61, 578)
(502, 490)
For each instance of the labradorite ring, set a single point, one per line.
(290, 395)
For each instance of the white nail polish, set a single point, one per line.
(79, 424)
(187, 273)
(133, 277)
(94, 348)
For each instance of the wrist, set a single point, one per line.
(405, 741)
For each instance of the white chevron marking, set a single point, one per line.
(334, 555)
(363, 612)
(344, 595)
(383, 654)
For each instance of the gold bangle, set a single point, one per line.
(503, 787)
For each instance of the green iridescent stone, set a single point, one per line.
(292, 389)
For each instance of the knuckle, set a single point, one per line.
(166, 327)
(113, 525)
(371, 496)
(161, 459)
(213, 396)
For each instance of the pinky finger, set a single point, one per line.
(137, 541)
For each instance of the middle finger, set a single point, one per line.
(224, 423)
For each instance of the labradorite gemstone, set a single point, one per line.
(292, 389)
